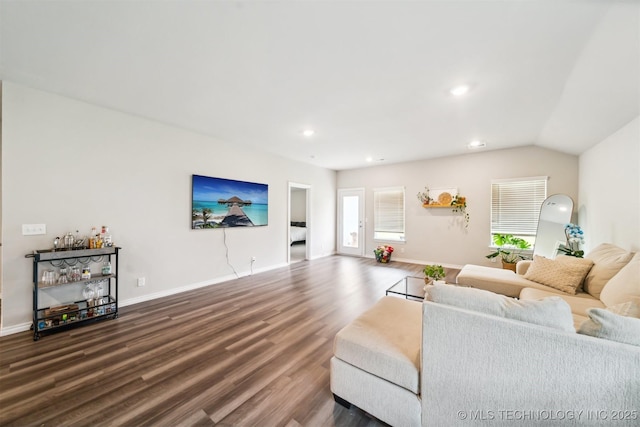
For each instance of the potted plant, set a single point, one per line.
(424, 197)
(383, 253)
(509, 249)
(575, 237)
(433, 272)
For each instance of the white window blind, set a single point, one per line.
(515, 205)
(388, 213)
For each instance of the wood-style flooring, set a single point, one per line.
(249, 352)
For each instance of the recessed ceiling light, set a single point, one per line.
(371, 159)
(459, 90)
(308, 132)
(476, 143)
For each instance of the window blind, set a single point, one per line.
(515, 205)
(388, 213)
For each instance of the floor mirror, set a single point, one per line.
(555, 214)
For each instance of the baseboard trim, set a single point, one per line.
(420, 262)
(10, 330)
(193, 286)
(21, 327)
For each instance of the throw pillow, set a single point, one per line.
(605, 323)
(565, 273)
(607, 260)
(624, 286)
(552, 312)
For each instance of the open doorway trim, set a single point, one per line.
(307, 189)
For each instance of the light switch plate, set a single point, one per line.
(33, 229)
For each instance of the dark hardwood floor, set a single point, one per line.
(249, 352)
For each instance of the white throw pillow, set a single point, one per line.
(565, 273)
(624, 286)
(607, 260)
(553, 312)
(608, 324)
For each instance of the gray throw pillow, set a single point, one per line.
(618, 323)
(552, 312)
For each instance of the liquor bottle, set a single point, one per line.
(92, 238)
(106, 236)
(106, 268)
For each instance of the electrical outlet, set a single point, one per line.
(33, 229)
(141, 281)
(253, 259)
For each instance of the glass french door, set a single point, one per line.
(351, 221)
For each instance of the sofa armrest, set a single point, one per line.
(479, 367)
(523, 266)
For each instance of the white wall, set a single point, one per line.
(609, 196)
(72, 166)
(438, 235)
(298, 205)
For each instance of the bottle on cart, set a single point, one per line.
(106, 236)
(106, 268)
(68, 241)
(92, 238)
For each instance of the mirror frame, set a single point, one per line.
(555, 214)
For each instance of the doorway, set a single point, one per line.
(0, 205)
(298, 235)
(351, 221)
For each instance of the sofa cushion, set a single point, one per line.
(624, 286)
(627, 309)
(498, 280)
(552, 312)
(607, 260)
(608, 324)
(579, 302)
(374, 343)
(564, 273)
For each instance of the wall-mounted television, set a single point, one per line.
(220, 203)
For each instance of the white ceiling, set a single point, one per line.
(370, 77)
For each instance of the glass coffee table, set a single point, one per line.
(409, 287)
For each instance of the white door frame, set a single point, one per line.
(307, 189)
(347, 250)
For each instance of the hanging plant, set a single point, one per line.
(459, 204)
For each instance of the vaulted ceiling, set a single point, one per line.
(371, 78)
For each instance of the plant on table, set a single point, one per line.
(383, 253)
(433, 272)
(575, 237)
(510, 249)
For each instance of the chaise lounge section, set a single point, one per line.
(607, 278)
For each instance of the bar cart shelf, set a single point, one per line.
(87, 299)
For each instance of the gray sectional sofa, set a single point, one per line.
(436, 363)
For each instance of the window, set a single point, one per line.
(388, 214)
(515, 206)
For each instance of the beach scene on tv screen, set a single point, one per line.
(219, 202)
